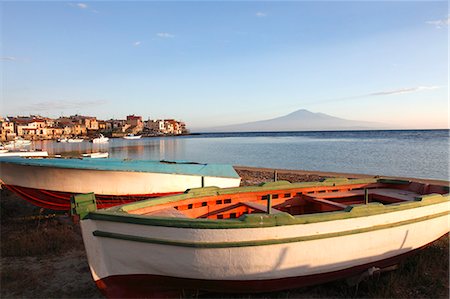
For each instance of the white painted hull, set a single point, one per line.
(17, 144)
(354, 242)
(75, 140)
(105, 182)
(101, 139)
(96, 155)
(24, 154)
(96, 141)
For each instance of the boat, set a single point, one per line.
(23, 153)
(75, 140)
(96, 155)
(49, 183)
(271, 237)
(18, 142)
(132, 136)
(62, 140)
(100, 139)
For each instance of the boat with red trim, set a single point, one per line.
(49, 183)
(256, 239)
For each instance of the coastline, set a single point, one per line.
(50, 248)
(268, 173)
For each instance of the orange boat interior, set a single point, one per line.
(295, 201)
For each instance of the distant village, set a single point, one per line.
(35, 127)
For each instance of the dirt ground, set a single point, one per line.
(44, 257)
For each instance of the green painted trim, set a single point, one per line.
(268, 220)
(125, 237)
(82, 204)
(394, 181)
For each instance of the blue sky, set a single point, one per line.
(218, 63)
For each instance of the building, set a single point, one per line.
(30, 127)
(35, 127)
(6, 130)
(135, 121)
(89, 122)
(135, 124)
(166, 126)
(155, 126)
(172, 127)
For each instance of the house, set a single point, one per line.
(6, 130)
(155, 126)
(172, 127)
(135, 124)
(89, 122)
(30, 127)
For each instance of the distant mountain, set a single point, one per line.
(300, 120)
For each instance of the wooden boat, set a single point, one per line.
(255, 239)
(49, 183)
(100, 139)
(132, 136)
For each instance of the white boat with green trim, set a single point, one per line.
(254, 239)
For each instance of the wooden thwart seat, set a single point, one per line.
(260, 207)
(402, 195)
(396, 194)
(324, 201)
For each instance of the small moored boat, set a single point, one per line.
(100, 139)
(255, 239)
(132, 136)
(96, 155)
(75, 140)
(17, 143)
(23, 153)
(49, 183)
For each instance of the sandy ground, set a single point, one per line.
(60, 270)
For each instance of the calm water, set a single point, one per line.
(414, 153)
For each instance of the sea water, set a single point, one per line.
(405, 153)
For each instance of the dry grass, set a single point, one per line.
(48, 238)
(24, 235)
(41, 258)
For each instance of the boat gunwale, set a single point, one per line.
(26, 162)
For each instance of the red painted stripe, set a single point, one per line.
(55, 200)
(156, 286)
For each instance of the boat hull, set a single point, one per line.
(51, 187)
(132, 137)
(159, 286)
(24, 154)
(123, 256)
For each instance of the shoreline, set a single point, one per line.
(336, 174)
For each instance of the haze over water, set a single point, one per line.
(412, 153)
